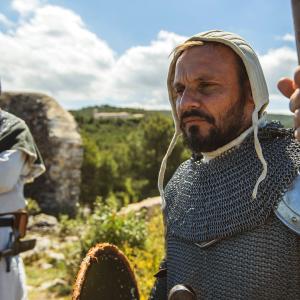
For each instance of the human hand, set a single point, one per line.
(291, 89)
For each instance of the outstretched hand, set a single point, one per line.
(291, 89)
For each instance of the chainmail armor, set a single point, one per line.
(260, 264)
(256, 256)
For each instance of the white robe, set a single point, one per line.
(12, 170)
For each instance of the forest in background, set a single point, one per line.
(122, 155)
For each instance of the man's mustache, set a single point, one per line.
(197, 113)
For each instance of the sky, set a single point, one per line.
(113, 52)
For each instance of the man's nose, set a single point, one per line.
(188, 100)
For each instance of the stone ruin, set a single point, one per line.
(55, 132)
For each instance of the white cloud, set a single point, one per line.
(54, 52)
(140, 73)
(278, 105)
(288, 37)
(24, 7)
(5, 21)
(278, 63)
(51, 50)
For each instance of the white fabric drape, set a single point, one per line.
(12, 168)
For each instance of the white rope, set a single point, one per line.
(258, 150)
(163, 166)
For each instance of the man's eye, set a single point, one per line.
(179, 90)
(206, 87)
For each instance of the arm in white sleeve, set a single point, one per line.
(11, 165)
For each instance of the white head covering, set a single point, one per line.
(258, 87)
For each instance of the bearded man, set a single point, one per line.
(20, 162)
(232, 211)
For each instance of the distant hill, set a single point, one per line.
(285, 120)
(87, 113)
(123, 150)
(110, 131)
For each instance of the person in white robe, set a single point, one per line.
(20, 162)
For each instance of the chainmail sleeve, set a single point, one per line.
(159, 290)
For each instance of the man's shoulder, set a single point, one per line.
(7, 115)
(182, 169)
(279, 144)
(282, 152)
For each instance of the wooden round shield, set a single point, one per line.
(105, 274)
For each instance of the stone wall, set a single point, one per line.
(55, 132)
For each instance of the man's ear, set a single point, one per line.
(248, 93)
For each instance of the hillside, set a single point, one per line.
(109, 132)
(123, 152)
(285, 120)
(85, 115)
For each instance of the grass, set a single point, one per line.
(37, 276)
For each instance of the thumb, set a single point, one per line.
(286, 86)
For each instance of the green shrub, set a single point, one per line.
(145, 262)
(123, 157)
(104, 224)
(32, 207)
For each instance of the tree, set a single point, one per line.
(89, 171)
(154, 135)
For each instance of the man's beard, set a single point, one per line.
(232, 126)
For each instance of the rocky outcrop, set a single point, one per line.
(149, 205)
(55, 131)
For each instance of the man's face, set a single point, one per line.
(211, 105)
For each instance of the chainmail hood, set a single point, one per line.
(258, 88)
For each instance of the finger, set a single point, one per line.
(297, 118)
(286, 86)
(295, 100)
(297, 77)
